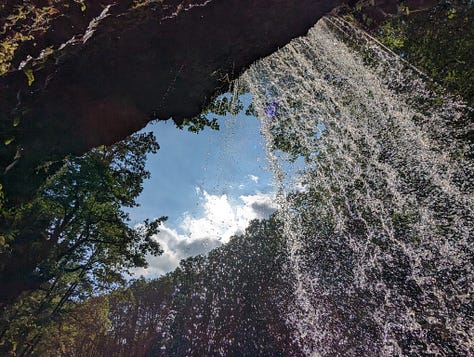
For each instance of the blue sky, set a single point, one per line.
(209, 185)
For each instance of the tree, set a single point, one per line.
(229, 303)
(73, 240)
(78, 332)
(432, 40)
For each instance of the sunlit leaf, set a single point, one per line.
(9, 140)
(29, 74)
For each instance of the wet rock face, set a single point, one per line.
(132, 64)
(113, 66)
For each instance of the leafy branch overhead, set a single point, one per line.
(74, 239)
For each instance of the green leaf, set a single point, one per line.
(452, 13)
(82, 3)
(16, 121)
(29, 74)
(9, 140)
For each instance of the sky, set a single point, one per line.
(210, 185)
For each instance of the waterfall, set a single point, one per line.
(379, 223)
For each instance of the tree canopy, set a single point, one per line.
(73, 240)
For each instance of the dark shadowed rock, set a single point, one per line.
(111, 67)
(130, 65)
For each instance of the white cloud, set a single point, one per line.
(176, 247)
(221, 220)
(253, 178)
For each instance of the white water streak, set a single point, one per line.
(380, 239)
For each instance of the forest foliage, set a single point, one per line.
(227, 303)
(73, 241)
(438, 41)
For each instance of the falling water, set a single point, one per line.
(379, 224)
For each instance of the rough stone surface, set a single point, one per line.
(114, 67)
(131, 65)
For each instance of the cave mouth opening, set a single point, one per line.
(210, 183)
